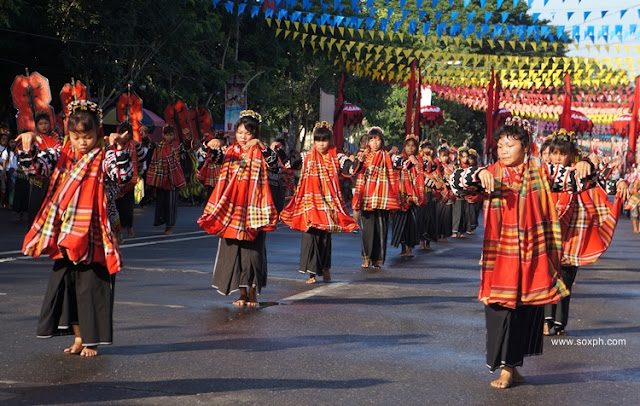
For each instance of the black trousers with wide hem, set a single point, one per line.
(166, 207)
(512, 334)
(125, 208)
(315, 251)
(78, 294)
(405, 228)
(557, 315)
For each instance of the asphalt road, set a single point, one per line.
(411, 333)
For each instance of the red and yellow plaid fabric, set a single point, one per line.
(164, 170)
(240, 205)
(317, 202)
(522, 240)
(411, 188)
(209, 173)
(73, 222)
(588, 224)
(130, 146)
(377, 184)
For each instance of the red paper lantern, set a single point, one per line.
(431, 115)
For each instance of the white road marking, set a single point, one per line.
(142, 244)
(151, 305)
(147, 237)
(140, 268)
(313, 292)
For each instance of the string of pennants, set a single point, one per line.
(400, 21)
(392, 63)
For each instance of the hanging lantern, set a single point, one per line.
(431, 116)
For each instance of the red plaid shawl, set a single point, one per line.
(73, 222)
(377, 184)
(164, 170)
(411, 188)
(318, 201)
(209, 173)
(240, 205)
(522, 240)
(588, 221)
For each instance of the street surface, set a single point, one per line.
(410, 333)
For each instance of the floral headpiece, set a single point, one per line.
(85, 105)
(519, 122)
(252, 114)
(323, 124)
(564, 135)
(473, 152)
(463, 149)
(412, 137)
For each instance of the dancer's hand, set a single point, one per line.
(583, 169)
(486, 180)
(622, 190)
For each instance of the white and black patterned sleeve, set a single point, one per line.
(270, 156)
(141, 151)
(398, 162)
(36, 162)
(216, 154)
(347, 166)
(117, 166)
(563, 179)
(465, 181)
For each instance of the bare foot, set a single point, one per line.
(409, 253)
(517, 378)
(168, 231)
(365, 264)
(326, 276)
(76, 348)
(89, 351)
(505, 380)
(253, 298)
(401, 254)
(545, 330)
(130, 233)
(240, 302)
(311, 280)
(422, 246)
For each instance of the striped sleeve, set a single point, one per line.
(216, 154)
(141, 151)
(118, 166)
(465, 181)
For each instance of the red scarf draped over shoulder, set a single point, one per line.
(73, 222)
(411, 188)
(588, 221)
(164, 170)
(377, 185)
(522, 240)
(317, 202)
(240, 205)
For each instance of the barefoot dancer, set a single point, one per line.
(240, 211)
(521, 249)
(73, 228)
(317, 207)
(376, 194)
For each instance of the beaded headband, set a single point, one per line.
(323, 124)
(473, 152)
(519, 122)
(85, 105)
(252, 114)
(463, 149)
(564, 135)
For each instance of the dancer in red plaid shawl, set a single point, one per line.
(73, 228)
(405, 228)
(427, 214)
(444, 206)
(240, 211)
(522, 247)
(210, 171)
(165, 174)
(375, 195)
(317, 207)
(587, 222)
(125, 199)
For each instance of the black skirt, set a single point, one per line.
(427, 225)
(512, 334)
(444, 218)
(78, 295)
(125, 208)
(375, 227)
(404, 228)
(166, 207)
(21, 194)
(240, 264)
(315, 251)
